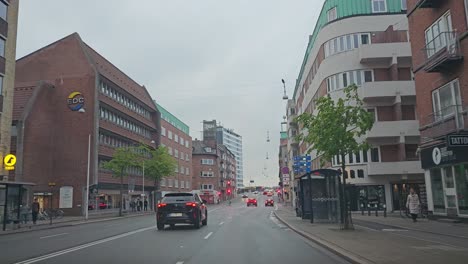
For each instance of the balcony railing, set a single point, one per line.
(428, 3)
(441, 52)
(449, 119)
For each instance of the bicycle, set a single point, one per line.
(54, 213)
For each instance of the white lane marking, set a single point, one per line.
(209, 211)
(209, 234)
(368, 228)
(69, 250)
(393, 230)
(179, 262)
(221, 223)
(61, 234)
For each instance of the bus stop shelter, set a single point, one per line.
(14, 199)
(319, 196)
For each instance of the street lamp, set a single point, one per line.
(285, 96)
(82, 110)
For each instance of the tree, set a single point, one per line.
(122, 160)
(336, 130)
(158, 164)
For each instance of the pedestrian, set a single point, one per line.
(146, 205)
(412, 204)
(132, 205)
(140, 205)
(35, 207)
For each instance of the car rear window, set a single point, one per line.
(178, 197)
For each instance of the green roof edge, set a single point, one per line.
(345, 9)
(172, 118)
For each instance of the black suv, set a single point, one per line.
(181, 208)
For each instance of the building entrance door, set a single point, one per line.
(450, 192)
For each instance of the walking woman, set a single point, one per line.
(412, 204)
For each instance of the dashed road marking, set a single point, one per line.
(209, 234)
(179, 262)
(61, 234)
(393, 230)
(221, 223)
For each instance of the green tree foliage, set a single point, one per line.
(337, 129)
(122, 160)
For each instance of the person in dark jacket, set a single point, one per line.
(35, 207)
(145, 203)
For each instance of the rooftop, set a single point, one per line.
(172, 119)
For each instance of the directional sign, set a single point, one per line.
(9, 161)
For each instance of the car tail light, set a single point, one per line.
(191, 204)
(161, 205)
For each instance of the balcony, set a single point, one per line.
(438, 124)
(386, 92)
(428, 3)
(383, 53)
(393, 130)
(394, 168)
(442, 52)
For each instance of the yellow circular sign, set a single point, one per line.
(9, 160)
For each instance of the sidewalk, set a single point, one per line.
(94, 217)
(364, 245)
(423, 225)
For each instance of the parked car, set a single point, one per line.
(181, 208)
(252, 201)
(244, 196)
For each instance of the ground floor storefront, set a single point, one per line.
(446, 173)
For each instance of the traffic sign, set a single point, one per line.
(9, 161)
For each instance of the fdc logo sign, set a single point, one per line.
(75, 101)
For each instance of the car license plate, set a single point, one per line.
(176, 214)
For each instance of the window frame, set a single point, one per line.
(332, 11)
(447, 18)
(455, 100)
(6, 11)
(379, 1)
(404, 5)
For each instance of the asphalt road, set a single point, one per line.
(234, 234)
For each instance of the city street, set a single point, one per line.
(234, 234)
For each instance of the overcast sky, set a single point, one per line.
(200, 59)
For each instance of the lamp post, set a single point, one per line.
(82, 110)
(285, 96)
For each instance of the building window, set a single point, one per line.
(207, 186)
(182, 169)
(169, 134)
(187, 185)
(186, 144)
(187, 171)
(182, 184)
(446, 100)
(176, 183)
(1, 85)
(350, 158)
(181, 141)
(360, 173)
(206, 174)
(163, 182)
(163, 131)
(404, 5)
(375, 157)
(3, 10)
(207, 161)
(353, 174)
(331, 14)
(358, 157)
(438, 34)
(169, 150)
(176, 153)
(176, 138)
(186, 157)
(379, 6)
(2, 47)
(343, 80)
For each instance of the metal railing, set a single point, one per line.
(445, 46)
(446, 120)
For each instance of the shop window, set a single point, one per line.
(461, 178)
(437, 190)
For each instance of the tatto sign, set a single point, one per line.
(75, 101)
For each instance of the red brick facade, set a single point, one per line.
(52, 140)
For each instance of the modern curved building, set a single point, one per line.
(366, 42)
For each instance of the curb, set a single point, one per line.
(348, 256)
(69, 223)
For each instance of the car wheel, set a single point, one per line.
(205, 221)
(197, 221)
(160, 226)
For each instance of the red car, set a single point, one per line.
(252, 201)
(269, 202)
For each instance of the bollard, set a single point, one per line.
(368, 209)
(362, 209)
(376, 210)
(384, 210)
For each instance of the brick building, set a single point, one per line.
(8, 29)
(175, 136)
(366, 44)
(214, 168)
(439, 42)
(65, 93)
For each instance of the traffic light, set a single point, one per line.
(229, 183)
(229, 191)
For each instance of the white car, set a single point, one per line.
(255, 192)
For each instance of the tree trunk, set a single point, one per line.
(348, 224)
(156, 188)
(121, 193)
